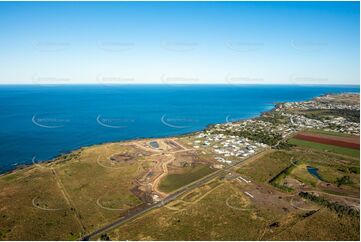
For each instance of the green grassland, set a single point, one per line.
(325, 147)
(320, 131)
(349, 115)
(188, 174)
(266, 167)
(331, 167)
(300, 173)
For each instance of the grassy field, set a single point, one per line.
(67, 195)
(300, 173)
(323, 225)
(208, 219)
(50, 217)
(320, 131)
(330, 166)
(188, 174)
(266, 167)
(324, 147)
(212, 219)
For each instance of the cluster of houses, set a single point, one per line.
(226, 147)
(318, 103)
(255, 125)
(334, 123)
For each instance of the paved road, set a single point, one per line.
(168, 199)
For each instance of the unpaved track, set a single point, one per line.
(68, 200)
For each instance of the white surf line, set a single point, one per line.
(246, 181)
(249, 194)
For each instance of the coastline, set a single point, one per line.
(53, 159)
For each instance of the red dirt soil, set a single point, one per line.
(348, 142)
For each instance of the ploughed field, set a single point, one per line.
(348, 142)
(338, 143)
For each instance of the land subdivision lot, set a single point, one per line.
(251, 208)
(79, 192)
(183, 176)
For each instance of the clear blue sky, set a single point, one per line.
(185, 42)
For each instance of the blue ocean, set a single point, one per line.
(45, 121)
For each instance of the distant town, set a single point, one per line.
(244, 138)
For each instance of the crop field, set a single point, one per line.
(325, 147)
(321, 131)
(352, 142)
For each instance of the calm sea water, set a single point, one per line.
(45, 121)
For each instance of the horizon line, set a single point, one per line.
(177, 84)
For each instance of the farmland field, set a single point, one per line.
(321, 131)
(324, 147)
(352, 142)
